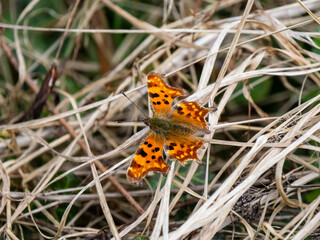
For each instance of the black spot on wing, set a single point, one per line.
(172, 145)
(165, 101)
(178, 109)
(142, 152)
(154, 95)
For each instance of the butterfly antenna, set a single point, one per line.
(134, 104)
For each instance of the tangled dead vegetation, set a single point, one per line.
(63, 164)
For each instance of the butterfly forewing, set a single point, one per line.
(161, 94)
(147, 158)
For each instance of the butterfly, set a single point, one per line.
(172, 128)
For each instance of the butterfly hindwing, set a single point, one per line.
(161, 94)
(191, 113)
(183, 149)
(147, 158)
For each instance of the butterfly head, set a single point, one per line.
(146, 121)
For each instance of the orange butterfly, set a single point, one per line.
(171, 128)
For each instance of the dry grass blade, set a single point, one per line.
(163, 212)
(309, 12)
(63, 174)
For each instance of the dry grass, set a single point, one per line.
(63, 174)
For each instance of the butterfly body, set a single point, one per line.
(167, 126)
(172, 129)
(160, 126)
